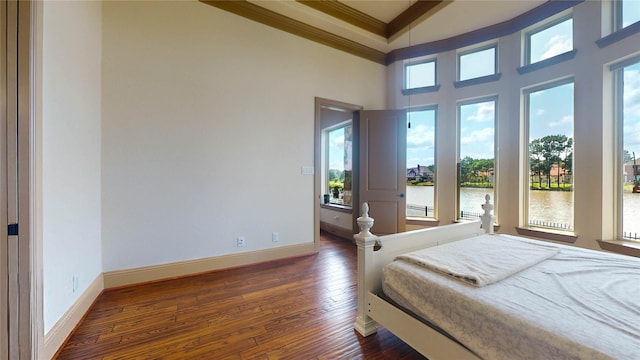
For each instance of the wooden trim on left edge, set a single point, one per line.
(267, 17)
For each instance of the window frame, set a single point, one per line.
(617, 14)
(327, 161)
(618, 117)
(420, 89)
(538, 29)
(459, 56)
(422, 219)
(459, 104)
(525, 227)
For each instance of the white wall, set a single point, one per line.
(207, 121)
(593, 119)
(71, 123)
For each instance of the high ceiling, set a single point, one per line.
(372, 28)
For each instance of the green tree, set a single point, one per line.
(466, 165)
(536, 159)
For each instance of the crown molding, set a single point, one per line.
(350, 15)
(267, 17)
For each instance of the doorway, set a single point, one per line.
(336, 168)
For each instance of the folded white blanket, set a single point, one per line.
(481, 260)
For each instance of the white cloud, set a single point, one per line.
(478, 136)
(420, 136)
(540, 112)
(567, 119)
(484, 112)
(632, 137)
(632, 95)
(558, 44)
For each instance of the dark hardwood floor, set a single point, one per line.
(301, 308)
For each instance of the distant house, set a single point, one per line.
(629, 173)
(419, 173)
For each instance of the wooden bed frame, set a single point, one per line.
(374, 252)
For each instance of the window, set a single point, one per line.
(549, 111)
(553, 39)
(420, 75)
(477, 63)
(421, 169)
(339, 180)
(626, 12)
(628, 80)
(476, 161)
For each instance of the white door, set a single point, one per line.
(383, 177)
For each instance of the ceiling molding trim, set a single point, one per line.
(267, 17)
(491, 32)
(415, 11)
(348, 14)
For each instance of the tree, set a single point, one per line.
(626, 156)
(466, 165)
(536, 159)
(548, 151)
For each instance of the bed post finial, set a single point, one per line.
(487, 218)
(365, 222)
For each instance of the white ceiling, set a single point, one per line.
(449, 19)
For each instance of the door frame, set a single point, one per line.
(321, 103)
(23, 277)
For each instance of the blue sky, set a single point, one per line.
(632, 109)
(420, 138)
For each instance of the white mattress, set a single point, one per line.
(579, 304)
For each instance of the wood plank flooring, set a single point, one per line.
(301, 308)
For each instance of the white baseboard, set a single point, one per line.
(118, 278)
(54, 339)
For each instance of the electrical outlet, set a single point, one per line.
(240, 241)
(275, 237)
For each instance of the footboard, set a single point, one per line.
(374, 252)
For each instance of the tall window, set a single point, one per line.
(477, 63)
(626, 12)
(338, 189)
(550, 40)
(419, 75)
(628, 79)
(550, 152)
(476, 161)
(421, 168)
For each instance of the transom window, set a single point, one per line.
(419, 75)
(477, 63)
(549, 111)
(626, 12)
(553, 39)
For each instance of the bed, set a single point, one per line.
(561, 303)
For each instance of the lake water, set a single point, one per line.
(545, 206)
